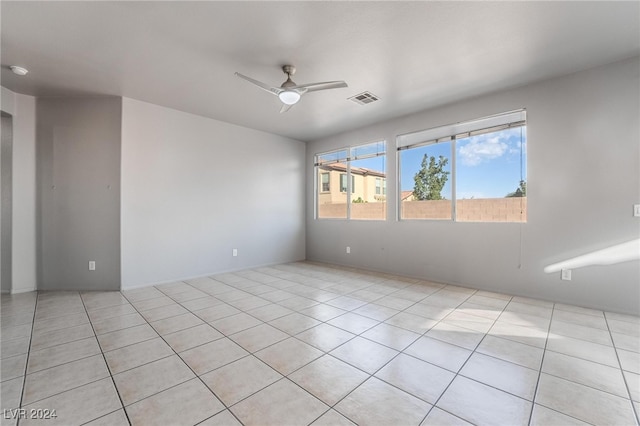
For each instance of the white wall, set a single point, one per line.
(23, 111)
(194, 188)
(583, 178)
(24, 195)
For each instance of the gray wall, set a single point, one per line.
(583, 178)
(78, 154)
(6, 186)
(194, 188)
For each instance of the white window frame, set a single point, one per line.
(450, 133)
(351, 155)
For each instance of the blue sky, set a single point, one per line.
(488, 166)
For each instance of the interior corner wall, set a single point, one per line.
(78, 183)
(194, 188)
(23, 245)
(6, 187)
(583, 149)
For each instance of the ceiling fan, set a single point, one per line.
(290, 92)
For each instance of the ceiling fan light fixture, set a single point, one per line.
(289, 97)
(19, 70)
(289, 92)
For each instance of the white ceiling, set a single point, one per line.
(413, 55)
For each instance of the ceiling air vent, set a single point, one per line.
(364, 98)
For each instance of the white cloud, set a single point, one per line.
(481, 149)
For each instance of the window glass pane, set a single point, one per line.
(332, 157)
(343, 183)
(324, 182)
(366, 203)
(370, 150)
(332, 203)
(426, 182)
(358, 168)
(491, 177)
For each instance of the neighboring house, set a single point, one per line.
(407, 196)
(367, 185)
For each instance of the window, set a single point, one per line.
(468, 172)
(325, 182)
(358, 172)
(343, 183)
(331, 203)
(426, 173)
(381, 186)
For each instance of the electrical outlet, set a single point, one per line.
(565, 274)
(348, 249)
(234, 253)
(636, 210)
(92, 265)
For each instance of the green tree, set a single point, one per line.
(521, 191)
(431, 178)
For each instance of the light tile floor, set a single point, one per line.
(306, 343)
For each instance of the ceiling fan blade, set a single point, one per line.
(285, 108)
(314, 87)
(263, 86)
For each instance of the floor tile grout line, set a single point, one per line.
(104, 415)
(43, 320)
(70, 341)
(585, 359)
(72, 388)
(378, 321)
(457, 373)
(534, 315)
(60, 329)
(544, 352)
(189, 367)
(141, 365)
(283, 376)
(386, 363)
(66, 362)
(622, 370)
(69, 389)
(26, 365)
(130, 344)
(589, 386)
(113, 382)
